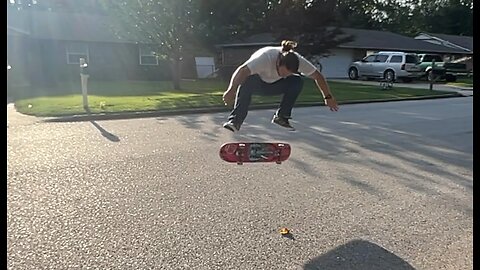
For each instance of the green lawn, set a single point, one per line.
(66, 99)
(463, 82)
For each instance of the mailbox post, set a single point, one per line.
(84, 81)
(433, 75)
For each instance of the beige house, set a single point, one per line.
(336, 64)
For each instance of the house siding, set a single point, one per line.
(44, 62)
(17, 76)
(232, 57)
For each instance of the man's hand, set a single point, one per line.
(322, 85)
(332, 104)
(229, 97)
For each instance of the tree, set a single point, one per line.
(168, 25)
(398, 17)
(454, 17)
(311, 23)
(220, 21)
(91, 6)
(361, 14)
(408, 17)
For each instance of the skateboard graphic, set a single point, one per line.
(241, 152)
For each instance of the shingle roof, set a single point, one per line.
(363, 39)
(462, 41)
(13, 31)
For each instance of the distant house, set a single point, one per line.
(463, 43)
(336, 65)
(45, 47)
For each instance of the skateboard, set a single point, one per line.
(241, 152)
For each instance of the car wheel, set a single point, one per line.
(353, 73)
(389, 75)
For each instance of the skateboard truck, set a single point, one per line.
(279, 152)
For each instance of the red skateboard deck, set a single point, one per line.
(241, 152)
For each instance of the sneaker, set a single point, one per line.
(282, 122)
(231, 126)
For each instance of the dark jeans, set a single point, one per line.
(290, 87)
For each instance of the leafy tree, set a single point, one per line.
(361, 14)
(310, 22)
(168, 25)
(453, 17)
(221, 20)
(408, 17)
(91, 6)
(398, 17)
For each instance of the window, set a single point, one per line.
(411, 59)
(147, 56)
(430, 58)
(75, 51)
(369, 58)
(381, 58)
(396, 59)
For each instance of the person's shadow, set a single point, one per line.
(106, 134)
(358, 255)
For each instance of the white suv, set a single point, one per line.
(387, 65)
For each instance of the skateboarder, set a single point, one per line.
(272, 71)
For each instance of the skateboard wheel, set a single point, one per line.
(284, 231)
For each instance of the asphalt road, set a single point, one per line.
(372, 186)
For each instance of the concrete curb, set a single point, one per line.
(460, 87)
(147, 114)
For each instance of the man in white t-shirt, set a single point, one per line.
(272, 71)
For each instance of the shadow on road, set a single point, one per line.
(358, 255)
(414, 156)
(111, 137)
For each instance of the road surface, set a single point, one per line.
(372, 186)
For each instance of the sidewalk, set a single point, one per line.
(464, 91)
(26, 120)
(18, 119)
(15, 119)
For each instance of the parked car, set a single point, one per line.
(444, 70)
(387, 65)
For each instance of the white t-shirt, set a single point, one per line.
(264, 63)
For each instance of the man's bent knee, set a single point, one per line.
(250, 83)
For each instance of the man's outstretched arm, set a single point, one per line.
(238, 77)
(325, 90)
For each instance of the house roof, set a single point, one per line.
(13, 31)
(64, 26)
(362, 39)
(465, 42)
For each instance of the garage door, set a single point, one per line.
(336, 65)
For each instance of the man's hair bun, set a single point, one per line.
(288, 45)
